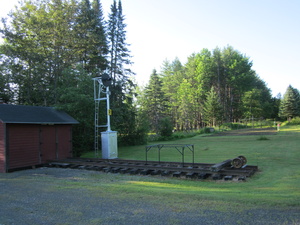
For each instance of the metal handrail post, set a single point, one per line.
(108, 108)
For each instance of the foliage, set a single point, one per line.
(263, 138)
(48, 42)
(153, 102)
(294, 121)
(221, 81)
(119, 54)
(46, 37)
(233, 126)
(165, 127)
(52, 50)
(122, 88)
(176, 135)
(212, 109)
(6, 91)
(290, 104)
(75, 93)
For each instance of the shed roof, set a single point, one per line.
(34, 115)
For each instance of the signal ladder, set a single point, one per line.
(99, 84)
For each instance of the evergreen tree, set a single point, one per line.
(45, 37)
(213, 109)
(52, 49)
(252, 104)
(123, 88)
(155, 101)
(275, 102)
(228, 72)
(119, 54)
(76, 97)
(90, 36)
(290, 104)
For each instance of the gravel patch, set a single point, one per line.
(42, 196)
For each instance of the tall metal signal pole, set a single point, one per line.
(109, 137)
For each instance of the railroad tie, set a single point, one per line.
(115, 170)
(156, 172)
(242, 178)
(146, 172)
(74, 166)
(228, 178)
(106, 169)
(124, 170)
(203, 175)
(217, 177)
(191, 175)
(176, 174)
(165, 173)
(135, 171)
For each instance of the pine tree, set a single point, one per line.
(290, 104)
(90, 39)
(99, 54)
(119, 54)
(155, 101)
(213, 108)
(122, 88)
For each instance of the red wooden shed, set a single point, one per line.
(32, 135)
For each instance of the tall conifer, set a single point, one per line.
(290, 104)
(119, 56)
(155, 101)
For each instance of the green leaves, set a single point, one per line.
(290, 104)
(211, 88)
(46, 37)
(213, 109)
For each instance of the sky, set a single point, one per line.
(266, 31)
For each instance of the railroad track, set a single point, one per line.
(197, 171)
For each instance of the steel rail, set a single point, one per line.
(153, 167)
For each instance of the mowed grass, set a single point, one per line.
(276, 185)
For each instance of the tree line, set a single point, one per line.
(213, 87)
(53, 48)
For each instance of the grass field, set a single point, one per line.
(276, 185)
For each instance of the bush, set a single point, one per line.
(175, 136)
(204, 130)
(233, 126)
(138, 137)
(263, 138)
(294, 121)
(165, 127)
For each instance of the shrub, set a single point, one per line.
(263, 138)
(294, 121)
(233, 126)
(165, 127)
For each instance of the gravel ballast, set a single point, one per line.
(43, 196)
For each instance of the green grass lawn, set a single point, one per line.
(276, 185)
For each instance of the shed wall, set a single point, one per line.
(48, 143)
(64, 139)
(30, 144)
(55, 142)
(23, 145)
(2, 148)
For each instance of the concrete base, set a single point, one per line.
(109, 145)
